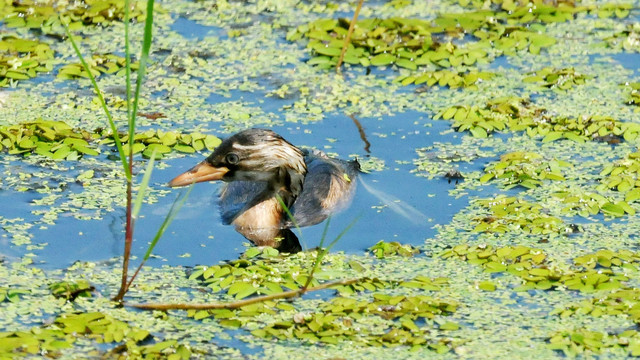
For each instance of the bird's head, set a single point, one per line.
(251, 155)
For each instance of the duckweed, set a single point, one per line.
(537, 272)
(409, 43)
(506, 214)
(444, 78)
(36, 15)
(59, 141)
(526, 169)
(22, 59)
(384, 249)
(561, 79)
(515, 114)
(98, 64)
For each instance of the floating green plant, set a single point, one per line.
(620, 302)
(22, 59)
(532, 266)
(517, 114)
(339, 318)
(505, 214)
(71, 290)
(384, 249)
(39, 15)
(59, 141)
(633, 98)
(573, 343)
(95, 326)
(561, 79)
(628, 39)
(522, 168)
(12, 295)
(453, 80)
(99, 64)
(586, 204)
(622, 176)
(163, 142)
(242, 278)
(408, 43)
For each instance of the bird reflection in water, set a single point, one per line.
(259, 166)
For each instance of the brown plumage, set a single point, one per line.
(259, 166)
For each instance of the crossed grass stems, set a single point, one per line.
(133, 206)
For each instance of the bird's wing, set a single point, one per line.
(328, 187)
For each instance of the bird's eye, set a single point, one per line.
(232, 158)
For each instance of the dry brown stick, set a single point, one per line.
(241, 303)
(347, 39)
(363, 135)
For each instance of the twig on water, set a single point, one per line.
(238, 304)
(347, 39)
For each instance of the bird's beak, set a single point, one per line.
(199, 173)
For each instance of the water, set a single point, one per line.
(197, 235)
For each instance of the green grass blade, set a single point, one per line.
(346, 229)
(322, 252)
(293, 220)
(146, 45)
(324, 232)
(127, 66)
(112, 124)
(143, 186)
(175, 207)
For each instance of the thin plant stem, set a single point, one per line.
(142, 67)
(112, 124)
(128, 239)
(175, 207)
(293, 220)
(238, 304)
(127, 62)
(347, 38)
(323, 251)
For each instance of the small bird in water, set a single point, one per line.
(259, 166)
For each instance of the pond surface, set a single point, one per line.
(532, 250)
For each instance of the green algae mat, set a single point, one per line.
(538, 104)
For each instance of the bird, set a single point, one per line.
(263, 172)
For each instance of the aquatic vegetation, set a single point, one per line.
(582, 341)
(526, 169)
(242, 278)
(586, 204)
(12, 295)
(94, 326)
(628, 39)
(38, 15)
(633, 98)
(58, 141)
(409, 43)
(622, 176)
(250, 76)
(99, 64)
(22, 59)
(443, 78)
(505, 214)
(561, 79)
(625, 301)
(384, 249)
(71, 290)
(538, 272)
(515, 114)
